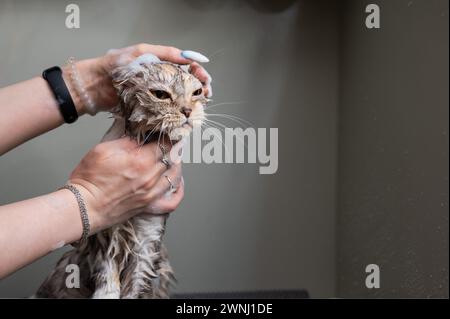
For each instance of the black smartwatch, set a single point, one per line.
(54, 78)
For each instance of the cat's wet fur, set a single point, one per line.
(129, 260)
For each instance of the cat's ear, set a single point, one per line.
(123, 78)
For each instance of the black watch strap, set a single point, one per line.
(56, 82)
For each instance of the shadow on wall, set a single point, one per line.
(307, 120)
(301, 100)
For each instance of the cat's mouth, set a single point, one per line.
(175, 131)
(175, 134)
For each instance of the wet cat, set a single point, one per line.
(128, 260)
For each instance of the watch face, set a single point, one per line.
(48, 71)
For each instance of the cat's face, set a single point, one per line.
(159, 98)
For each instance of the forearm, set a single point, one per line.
(29, 109)
(32, 228)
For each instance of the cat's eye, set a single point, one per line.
(160, 94)
(197, 92)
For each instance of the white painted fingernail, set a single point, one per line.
(208, 77)
(210, 93)
(196, 56)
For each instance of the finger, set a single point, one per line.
(158, 148)
(165, 53)
(208, 91)
(171, 177)
(152, 161)
(167, 204)
(125, 143)
(200, 73)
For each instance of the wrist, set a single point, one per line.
(82, 80)
(73, 93)
(93, 209)
(102, 214)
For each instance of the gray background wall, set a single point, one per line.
(292, 69)
(393, 158)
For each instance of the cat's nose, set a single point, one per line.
(186, 111)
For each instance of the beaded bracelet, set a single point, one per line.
(79, 87)
(83, 211)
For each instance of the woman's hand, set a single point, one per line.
(95, 73)
(119, 178)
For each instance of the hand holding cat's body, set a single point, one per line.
(119, 178)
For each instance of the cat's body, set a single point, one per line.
(125, 261)
(128, 260)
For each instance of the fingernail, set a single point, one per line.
(208, 76)
(195, 56)
(210, 93)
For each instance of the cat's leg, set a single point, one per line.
(165, 274)
(107, 281)
(149, 274)
(141, 276)
(137, 279)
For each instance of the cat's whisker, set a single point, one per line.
(224, 103)
(214, 124)
(148, 136)
(237, 119)
(215, 53)
(171, 142)
(145, 139)
(220, 125)
(159, 139)
(224, 127)
(220, 139)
